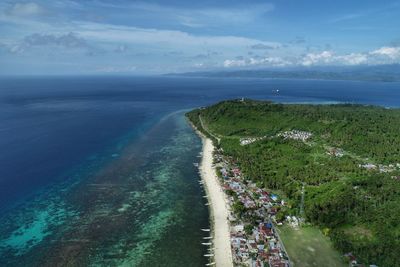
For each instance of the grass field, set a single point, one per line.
(307, 246)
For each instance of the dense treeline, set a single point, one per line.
(359, 208)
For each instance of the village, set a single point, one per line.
(293, 134)
(296, 135)
(254, 239)
(254, 211)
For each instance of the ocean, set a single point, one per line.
(99, 171)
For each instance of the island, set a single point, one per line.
(305, 185)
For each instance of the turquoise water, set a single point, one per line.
(145, 202)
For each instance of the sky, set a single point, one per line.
(154, 37)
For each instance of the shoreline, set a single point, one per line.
(220, 227)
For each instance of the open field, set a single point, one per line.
(307, 246)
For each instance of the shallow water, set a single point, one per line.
(146, 201)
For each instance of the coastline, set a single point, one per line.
(218, 208)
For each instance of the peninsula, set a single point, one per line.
(332, 168)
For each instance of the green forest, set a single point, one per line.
(348, 169)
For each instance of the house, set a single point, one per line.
(239, 228)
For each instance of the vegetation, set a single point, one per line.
(358, 207)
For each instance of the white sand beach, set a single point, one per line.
(218, 207)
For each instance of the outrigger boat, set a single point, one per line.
(205, 230)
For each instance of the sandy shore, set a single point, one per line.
(218, 207)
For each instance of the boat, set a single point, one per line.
(206, 244)
(195, 164)
(209, 255)
(207, 237)
(210, 264)
(205, 230)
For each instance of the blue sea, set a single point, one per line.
(98, 171)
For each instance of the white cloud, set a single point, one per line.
(317, 58)
(234, 63)
(383, 55)
(391, 52)
(267, 61)
(173, 38)
(116, 69)
(352, 59)
(330, 58)
(25, 9)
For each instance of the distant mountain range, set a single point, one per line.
(386, 73)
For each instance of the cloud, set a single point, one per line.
(391, 52)
(150, 36)
(330, 58)
(264, 46)
(69, 40)
(235, 63)
(352, 59)
(267, 61)
(116, 69)
(317, 58)
(26, 9)
(383, 55)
